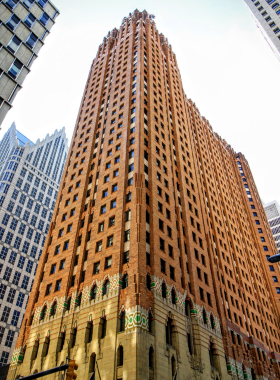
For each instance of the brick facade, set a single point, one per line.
(189, 289)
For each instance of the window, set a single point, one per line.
(58, 285)
(113, 204)
(15, 70)
(48, 289)
(112, 221)
(9, 339)
(66, 245)
(110, 241)
(62, 264)
(31, 41)
(57, 248)
(96, 268)
(274, 278)
(5, 314)
(103, 209)
(162, 265)
(11, 3)
(108, 262)
(13, 22)
(53, 269)
(172, 273)
(14, 44)
(127, 235)
(99, 246)
(101, 227)
(44, 18)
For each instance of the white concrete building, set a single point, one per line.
(24, 26)
(272, 211)
(267, 16)
(30, 175)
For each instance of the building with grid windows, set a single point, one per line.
(272, 210)
(267, 16)
(24, 26)
(155, 260)
(30, 175)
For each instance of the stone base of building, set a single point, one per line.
(139, 352)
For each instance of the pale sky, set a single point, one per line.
(227, 68)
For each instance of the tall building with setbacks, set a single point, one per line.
(155, 261)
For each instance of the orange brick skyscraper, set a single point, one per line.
(155, 261)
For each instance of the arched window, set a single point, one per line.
(103, 327)
(150, 322)
(122, 321)
(253, 373)
(79, 299)
(93, 293)
(43, 313)
(54, 308)
(148, 282)
(31, 320)
(204, 315)
(92, 363)
(275, 5)
(120, 356)
(61, 341)
(188, 308)
(106, 287)
(211, 354)
(73, 337)
(212, 321)
(169, 332)
(68, 304)
(35, 350)
(151, 358)
(90, 331)
(173, 296)
(163, 290)
(173, 365)
(125, 281)
(46, 347)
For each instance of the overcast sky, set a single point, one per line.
(227, 68)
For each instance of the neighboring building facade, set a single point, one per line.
(24, 27)
(272, 211)
(155, 260)
(30, 175)
(267, 15)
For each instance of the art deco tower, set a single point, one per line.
(155, 260)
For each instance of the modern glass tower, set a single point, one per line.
(30, 175)
(155, 261)
(24, 26)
